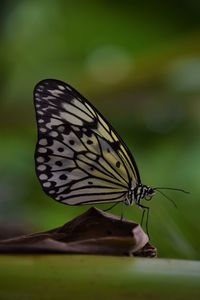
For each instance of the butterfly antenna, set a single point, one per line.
(173, 189)
(171, 200)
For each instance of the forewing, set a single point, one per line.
(79, 157)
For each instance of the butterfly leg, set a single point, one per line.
(145, 210)
(107, 209)
(142, 218)
(122, 212)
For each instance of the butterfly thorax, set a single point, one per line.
(136, 194)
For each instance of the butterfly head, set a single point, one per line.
(143, 192)
(150, 192)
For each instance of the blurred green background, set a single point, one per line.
(139, 63)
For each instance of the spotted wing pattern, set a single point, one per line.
(79, 157)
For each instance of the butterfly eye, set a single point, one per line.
(151, 191)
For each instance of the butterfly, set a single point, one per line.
(79, 157)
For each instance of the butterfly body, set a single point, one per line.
(80, 158)
(141, 191)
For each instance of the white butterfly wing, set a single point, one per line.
(79, 157)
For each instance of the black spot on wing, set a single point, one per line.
(115, 145)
